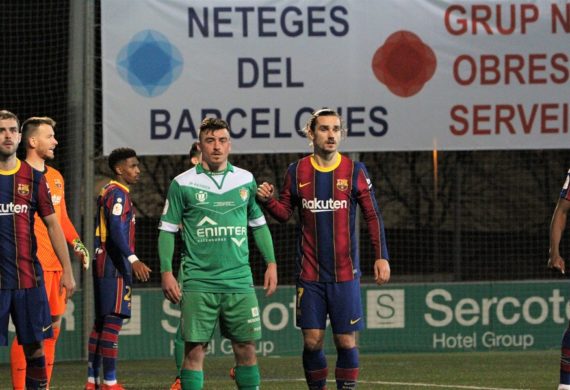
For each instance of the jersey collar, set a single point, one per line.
(12, 171)
(200, 169)
(115, 182)
(326, 169)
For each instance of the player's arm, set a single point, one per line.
(59, 245)
(72, 237)
(51, 221)
(263, 241)
(168, 282)
(282, 208)
(557, 227)
(373, 218)
(169, 227)
(118, 226)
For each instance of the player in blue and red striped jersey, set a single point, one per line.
(23, 193)
(555, 260)
(113, 268)
(326, 187)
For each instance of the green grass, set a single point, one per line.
(485, 370)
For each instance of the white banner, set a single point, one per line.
(405, 75)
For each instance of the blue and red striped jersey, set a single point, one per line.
(564, 193)
(327, 199)
(23, 192)
(115, 232)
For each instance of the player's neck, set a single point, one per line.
(122, 181)
(215, 168)
(36, 162)
(326, 160)
(8, 163)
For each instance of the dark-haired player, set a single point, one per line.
(38, 137)
(23, 193)
(114, 264)
(215, 203)
(195, 156)
(326, 187)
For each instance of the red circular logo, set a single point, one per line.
(404, 63)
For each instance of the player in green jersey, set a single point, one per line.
(195, 156)
(215, 203)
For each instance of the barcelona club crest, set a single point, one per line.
(23, 189)
(342, 184)
(243, 194)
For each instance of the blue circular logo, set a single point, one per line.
(149, 63)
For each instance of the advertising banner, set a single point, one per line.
(439, 317)
(418, 75)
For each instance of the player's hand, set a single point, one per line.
(265, 191)
(67, 284)
(82, 253)
(270, 279)
(557, 262)
(381, 271)
(170, 287)
(141, 271)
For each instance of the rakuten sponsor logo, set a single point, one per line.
(11, 208)
(319, 205)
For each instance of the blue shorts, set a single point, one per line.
(341, 301)
(112, 296)
(29, 309)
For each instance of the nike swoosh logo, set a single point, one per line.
(46, 328)
(301, 185)
(352, 322)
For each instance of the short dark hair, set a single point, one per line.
(194, 151)
(119, 155)
(211, 124)
(31, 124)
(5, 114)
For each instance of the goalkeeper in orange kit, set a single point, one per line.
(39, 139)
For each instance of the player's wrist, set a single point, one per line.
(133, 258)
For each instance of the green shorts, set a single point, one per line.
(238, 314)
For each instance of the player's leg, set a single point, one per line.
(32, 320)
(116, 306)
(199, 313)
(178, 357)
(109, 345)
(246, 370)
(565, 361)
(311, 316)
(192, 372)
(57, 308)
(102, 307)
(17, 365)
(94, 356)
(347, 363)
(241, 323)
(345, 313)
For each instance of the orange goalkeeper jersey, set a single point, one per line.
(46, 254)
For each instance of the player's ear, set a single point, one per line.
(310, 134)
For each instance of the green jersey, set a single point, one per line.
(214, 210)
